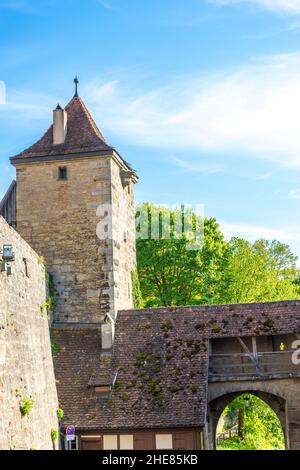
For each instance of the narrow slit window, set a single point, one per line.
(62, 173)
(26, 267)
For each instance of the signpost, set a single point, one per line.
(70, 433)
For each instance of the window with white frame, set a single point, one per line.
(110, 442)
(71, 445)
(126, 442)
(164, 441)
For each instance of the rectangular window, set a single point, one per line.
(164, 441)
(126, 442)
(26, 267)
(71, 445)
(104, 389)
(110, 442)
(62, 173)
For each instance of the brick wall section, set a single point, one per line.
(161, 357)
(26, 368)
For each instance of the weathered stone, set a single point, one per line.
(25, 354)
(68, 238)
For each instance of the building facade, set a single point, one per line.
(131, 379)
(75, 207)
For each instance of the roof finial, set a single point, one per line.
(76, 81)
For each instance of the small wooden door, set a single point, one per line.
(144, 441)
(184, 441)
(91, 444)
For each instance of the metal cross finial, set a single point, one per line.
(76, 81)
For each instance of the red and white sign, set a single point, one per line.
(70, 431)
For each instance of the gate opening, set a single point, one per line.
(249, 423)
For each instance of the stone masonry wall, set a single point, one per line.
(59, 219)
(284, 391)
(26, 368)
(123, 231)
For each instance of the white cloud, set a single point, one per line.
(192, 166)
(254, 110)
(2, 92)
(294, 194)
(290, 235)
(105, 4)
(197, 167)
(288, 6)
(254, 232)
(24, 107)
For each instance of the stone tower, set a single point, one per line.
(75, 207)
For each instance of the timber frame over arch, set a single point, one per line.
(261, 366)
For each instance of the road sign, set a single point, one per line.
(70, 431)
(71, 437)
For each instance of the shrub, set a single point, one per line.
(26, 406)
(54, 435)
(60, 413)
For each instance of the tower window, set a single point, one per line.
(26, 267)
(62, 173)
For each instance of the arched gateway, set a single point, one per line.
(262, 366)
(218, 405)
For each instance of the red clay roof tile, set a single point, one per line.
(161, 358)
(83, 135)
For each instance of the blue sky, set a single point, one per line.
(202, 97)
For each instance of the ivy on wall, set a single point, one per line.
(136, 291)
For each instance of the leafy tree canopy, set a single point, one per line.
(258, 272)
(174, 270)
(259, 426)
(171, 270)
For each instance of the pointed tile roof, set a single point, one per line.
(83, 135)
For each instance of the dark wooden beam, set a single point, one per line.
(253, 356)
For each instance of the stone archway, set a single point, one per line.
(217, 406)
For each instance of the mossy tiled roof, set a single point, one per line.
(161, 360)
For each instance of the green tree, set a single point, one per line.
(170, 272)
(262, 271)
(259, 427)
(138, 302)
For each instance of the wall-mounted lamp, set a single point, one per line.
(9, 270)
(6, 268)
(3, 267)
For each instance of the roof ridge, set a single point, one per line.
(83, 135)
(89, 117)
